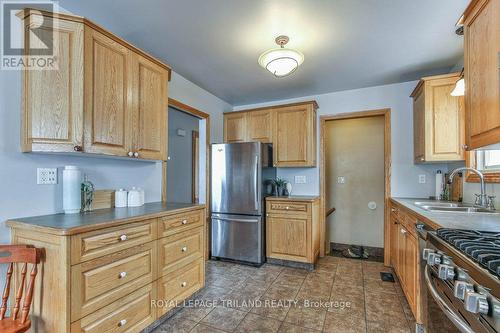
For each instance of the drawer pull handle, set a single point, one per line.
(123, 238)
(184, 248)
(122, 275)
(122, 322)
(183, 284)
(184, 221)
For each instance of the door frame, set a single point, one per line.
(386, 113)
(200, 115)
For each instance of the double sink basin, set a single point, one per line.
(451, 207)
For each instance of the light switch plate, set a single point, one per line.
(300, 180)
(341, 180)
(46, 176)
(421, 179)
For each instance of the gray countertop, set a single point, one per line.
(471, 221)
(67, 224)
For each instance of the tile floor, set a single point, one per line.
(341, 295)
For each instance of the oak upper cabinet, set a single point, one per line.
(482, 72)
(106, 97)
(438, 120)
(150, 104)
(53, 104)
(260, 126)
(235, 127)
(108, 102)
(294, 143)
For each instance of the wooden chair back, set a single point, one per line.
(19, 254)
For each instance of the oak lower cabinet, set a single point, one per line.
(119, 278)
(405, 257)
(292, 229)
(291, 128)
(481, 22)
(105, 97)
(438, 120)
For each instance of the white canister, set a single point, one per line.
(121, 198)
(72, 189)
(142, 196)
(134, 198)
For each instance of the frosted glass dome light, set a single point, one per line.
(281, 61)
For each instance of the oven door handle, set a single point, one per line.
(448, 311)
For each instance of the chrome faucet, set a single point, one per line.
(483, 198)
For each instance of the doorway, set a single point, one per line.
(355, 180)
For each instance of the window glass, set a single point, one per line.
(488, 160)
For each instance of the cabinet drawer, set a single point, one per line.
(94, 244)
(283, 207)
(179, 222)
(181, 284)
(131, 313)
(101, 281)
(179, 249)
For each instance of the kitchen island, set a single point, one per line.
(107, 268)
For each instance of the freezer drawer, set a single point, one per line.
(238, 237)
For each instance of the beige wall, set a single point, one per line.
(354, 149)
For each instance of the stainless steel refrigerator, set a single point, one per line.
(241, 173)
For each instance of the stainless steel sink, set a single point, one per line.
(437, 204)
(457, 209)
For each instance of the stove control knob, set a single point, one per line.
(476, 303)
(426, 252)
(446, 260)
(434, 259)
(461, 288)
(446, 272)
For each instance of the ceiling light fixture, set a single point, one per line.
(459, 89)
(281, 61)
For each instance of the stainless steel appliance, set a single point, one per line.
(240, 177)
(460, 272)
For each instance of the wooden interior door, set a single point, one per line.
(260, 126)
(53, 103)
(108, 95)
(150, 117)
(287, 238)
(446, 118)
(235, 127)
(292, 136)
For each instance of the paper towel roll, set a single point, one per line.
(439, 184)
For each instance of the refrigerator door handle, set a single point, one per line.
(234, 220)
(256, 194)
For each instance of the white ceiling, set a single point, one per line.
(347, 43)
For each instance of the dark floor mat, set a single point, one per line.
(387, 277)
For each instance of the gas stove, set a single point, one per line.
(480, 246)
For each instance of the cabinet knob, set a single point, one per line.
(403, 231)
(183, 284)
(287, 207)
(130, 154)
(136, 154)
(123, 238)
(122, 322)
(394, 210)
(184, 249)
(77, 148)
(122, 275)
(465, 147)
(184, 221)
(422, 159)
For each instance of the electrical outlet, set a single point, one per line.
(300, 179)
(421, 179)
(46, 176)
(341, 180)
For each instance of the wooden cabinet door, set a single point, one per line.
(149, 87)
(482, 72)
(394, 234)
(108, 95)
(53, 99)
(288, 238)
(295, 137)
(260, 126)
(235, 127)
(445, 118)
(411, 276)
(401, 254)
(419, 128)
